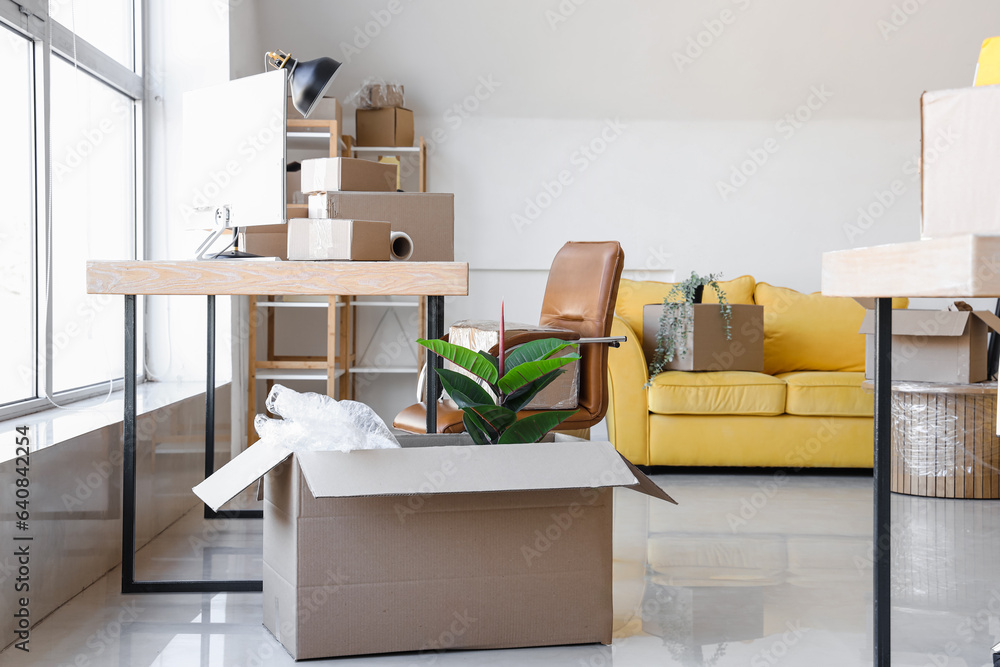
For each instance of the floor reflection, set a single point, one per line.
(706, 583)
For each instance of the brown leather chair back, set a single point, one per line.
(580, 295)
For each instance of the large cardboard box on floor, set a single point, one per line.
(708, 349)
(428, 218)
(934, 345)
(960, 162)
(481, 335)
(324, 239)
(431, 547)
(332, 174)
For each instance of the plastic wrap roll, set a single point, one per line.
(400, 246)
(944, 441)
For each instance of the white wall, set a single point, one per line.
(668, 121)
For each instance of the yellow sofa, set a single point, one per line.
(807, 409)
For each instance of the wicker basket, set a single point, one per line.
(944, 442)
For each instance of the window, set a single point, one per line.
(17, 297)
(64, 343)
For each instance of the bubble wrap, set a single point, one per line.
(314, 422)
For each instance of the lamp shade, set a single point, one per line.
(309, 80)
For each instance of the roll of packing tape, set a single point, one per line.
(400, 246)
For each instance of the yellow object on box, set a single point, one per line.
(634, 294)
(988, 68)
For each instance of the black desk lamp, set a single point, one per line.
(307, 80)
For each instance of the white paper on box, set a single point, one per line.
(229, 480)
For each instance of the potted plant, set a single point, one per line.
(678, 316)
(514, 379)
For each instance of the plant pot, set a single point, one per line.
(699, 292)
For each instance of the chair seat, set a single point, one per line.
(413, 419)
(716, 393)
(827, 394)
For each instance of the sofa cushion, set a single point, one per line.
(716, 393)
(827, 394)
(810, 332)
(634, 294)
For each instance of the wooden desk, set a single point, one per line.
(961, 266)
(435, 280)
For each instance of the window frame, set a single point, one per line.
(30, 20)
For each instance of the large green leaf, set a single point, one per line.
(517, 400)
(463, 357)
(463, 390)
(493, 416)
(531, 429)
(524, 373)
(478, 436)
(535, 350)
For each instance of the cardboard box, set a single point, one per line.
(708, 349)
(333, 174)
(326, 239)
(271, 240)
(436, 545)
(392, 126)
(960, 162)
(327, 108)
(428, 218)
(481, 335)
(934, 345)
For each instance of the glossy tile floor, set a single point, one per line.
(755, 570)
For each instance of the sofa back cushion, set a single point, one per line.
(811, 332)
(634, 294)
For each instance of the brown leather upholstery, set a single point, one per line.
(580, 296)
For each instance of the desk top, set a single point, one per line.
(225, 277)
(959, 266)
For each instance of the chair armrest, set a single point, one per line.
(628, 412)
(514, 339)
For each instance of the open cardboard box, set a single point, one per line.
(440, 544)
(934, 345)
(708, 349)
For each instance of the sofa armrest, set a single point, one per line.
(628, 412)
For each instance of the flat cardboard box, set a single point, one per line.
(481, 335)
(440, 544)
(960, 162)
(325, 239)
(708, 349)
(391, 126)
(327, 108)
(934, 345)
(271, 240)
(340, 174)
(428, 218)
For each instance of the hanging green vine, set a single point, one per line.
(678, 318)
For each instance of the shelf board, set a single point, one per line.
(296, 304)
(385, 369)
(386, 304)
(386, 149)
(286, 374)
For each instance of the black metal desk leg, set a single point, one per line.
(128, 447)
(210, 399)
(882, 603)
(435, 329)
